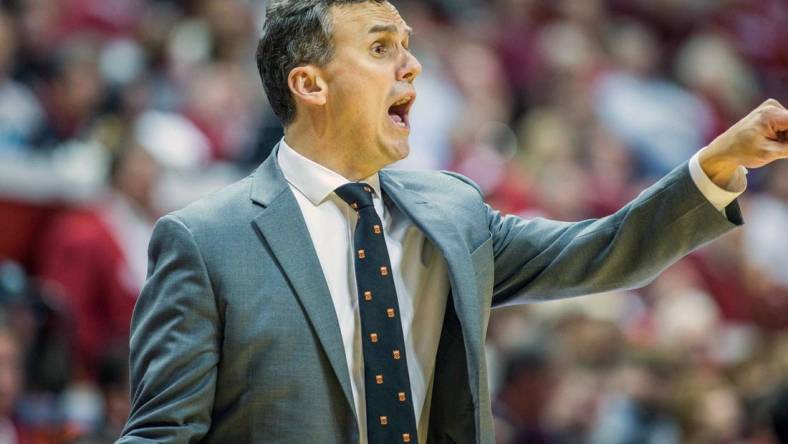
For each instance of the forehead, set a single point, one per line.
(359, 18)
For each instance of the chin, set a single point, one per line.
(403, 150)
(397, 150)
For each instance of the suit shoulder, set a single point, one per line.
(439, 181)
(218, 208)
(453, 193)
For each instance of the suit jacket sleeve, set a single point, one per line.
(541, 259)
(175, 337)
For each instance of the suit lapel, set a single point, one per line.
(282, 226)
(440, 230)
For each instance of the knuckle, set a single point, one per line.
(772, 103)
(775, 105)
(767, 113)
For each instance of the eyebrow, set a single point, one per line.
(392, 29)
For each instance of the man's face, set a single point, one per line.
(370, 90)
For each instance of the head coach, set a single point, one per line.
(324, 299)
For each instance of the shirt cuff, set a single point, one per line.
(718, 197)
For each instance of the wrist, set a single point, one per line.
(722, 170)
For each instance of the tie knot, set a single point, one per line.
(357, 195)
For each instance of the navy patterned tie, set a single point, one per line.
(390, 414)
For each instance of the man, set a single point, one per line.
(299, 306)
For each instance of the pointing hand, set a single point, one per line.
(756, 140)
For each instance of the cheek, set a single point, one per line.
(349, 88)
(358, 91)
(357, 98)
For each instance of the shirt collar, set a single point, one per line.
(313, 180)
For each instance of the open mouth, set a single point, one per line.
(400, 110)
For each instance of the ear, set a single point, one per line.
(307, 85)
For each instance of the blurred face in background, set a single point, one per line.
(777, 181)
(79, 86)
(136, 176)
(10, 372)
(7, 44)
(369, 80)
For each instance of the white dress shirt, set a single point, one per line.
(418, 268)
(718, 197)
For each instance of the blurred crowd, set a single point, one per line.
(114, 112)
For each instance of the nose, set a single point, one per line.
(410, 68)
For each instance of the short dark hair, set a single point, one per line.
(295, 33)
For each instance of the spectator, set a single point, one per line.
(635, 412)
(527, 384)
(72, 94)
(97, 257)
(21, 116)
(675, 122)
(11, 385)
(532, 99)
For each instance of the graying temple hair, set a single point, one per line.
(295, 33)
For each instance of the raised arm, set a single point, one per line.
(538, 259)
(542, 259)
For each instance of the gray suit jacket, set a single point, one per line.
(235, 340)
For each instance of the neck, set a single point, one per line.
(334, 153)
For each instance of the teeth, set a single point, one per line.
(403, 101)
(398, 120)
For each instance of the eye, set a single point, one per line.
(379, 49)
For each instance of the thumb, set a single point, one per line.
(776, 150)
